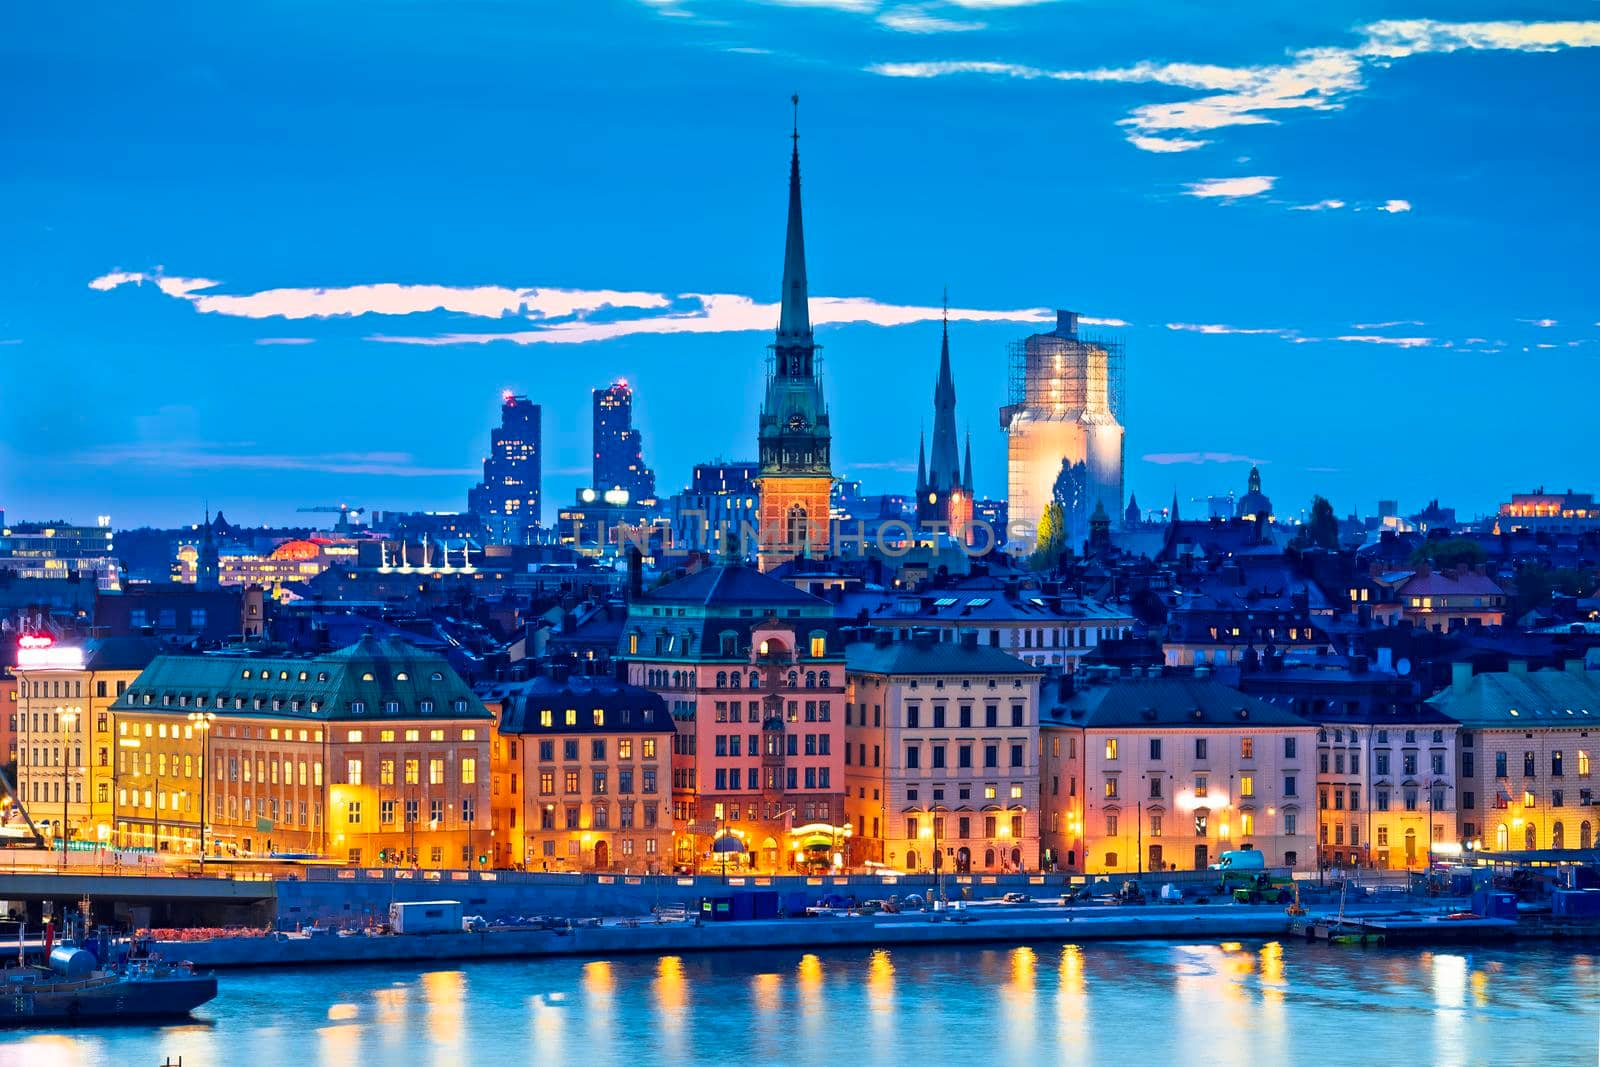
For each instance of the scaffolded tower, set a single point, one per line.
(1064, 420)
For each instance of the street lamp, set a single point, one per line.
(202, 721)
(66, 717)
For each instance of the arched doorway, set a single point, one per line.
(938, 859)
(963, 860)
(1016, 859)
(988, 859)
(602, 855)
(1585, 838)
(1411, 847)
(1558, 836)
(911, 859)
(1530, 837)
(1502, 838)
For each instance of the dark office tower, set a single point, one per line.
(618, 449)
(506, 502)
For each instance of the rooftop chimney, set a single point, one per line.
(635, 574)
(1460, 674)
(1066, 324)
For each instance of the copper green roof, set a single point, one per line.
(1524, 700)
(374, 678)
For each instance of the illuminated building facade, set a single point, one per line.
(753, 672)
(507, 501)
(1447, 600)
(942, 755)
(944, 489)
(376, 754)
(1567, 512)
(1525, 753)
(294, 562)
(60, 550)
(1064, 423)
(1144, 774)
(582, 776)
(618, 450)
(64, 736)
(795, 442)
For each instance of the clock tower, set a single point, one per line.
(796, 479)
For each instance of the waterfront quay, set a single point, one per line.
(329, 916)
(356, 897)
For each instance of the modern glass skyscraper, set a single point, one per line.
(618, 448)
(507, 501)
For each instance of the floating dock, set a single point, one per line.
(1406, 929)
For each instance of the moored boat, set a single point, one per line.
(74, 989)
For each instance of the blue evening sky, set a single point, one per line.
(256, 254)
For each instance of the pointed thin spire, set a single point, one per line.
(966, 480)
(944, 463)
(1174, 505)
(794, 315)
(922, 463)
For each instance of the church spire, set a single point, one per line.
(922, 465)
(966, 480)
(794, 315)
(944, 458)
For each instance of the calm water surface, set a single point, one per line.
(1252, 1002)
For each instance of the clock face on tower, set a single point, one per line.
(797, 422)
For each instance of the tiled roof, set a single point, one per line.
(1524, 699)
(373, 673)
(932, 657)
(1169, 702)
(627, 708)
(732, 586)
(1436, 584)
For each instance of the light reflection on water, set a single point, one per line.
(1048, 1002)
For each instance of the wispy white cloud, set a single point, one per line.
(388, 298)
(1166, 144)
(1379, 339)
(1309, 79)
(1230, 188)
(1395, 207)
(1320, 205)
(1391, 325)
(732, 313)
(551, 316)
(1218, 329)
(182, 457)
(912, 18)
(286, 340)
(1167, 459)
(1543, 324)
